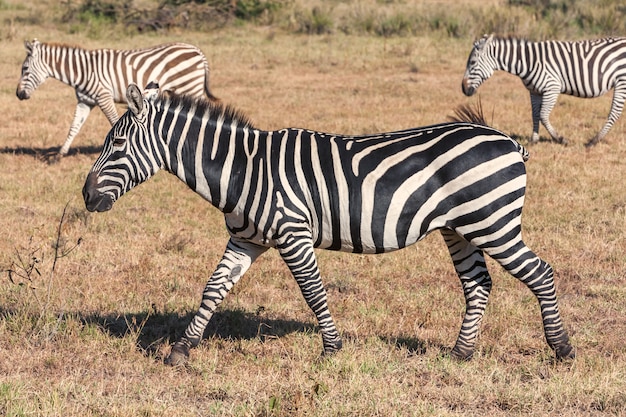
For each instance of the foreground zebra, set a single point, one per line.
(100, 76)
(583, 69)
(295, 190)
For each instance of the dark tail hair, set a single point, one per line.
(470, 114)
(207, 90)
(474, 114)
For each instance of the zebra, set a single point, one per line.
(100, 76)
(296, 189)
(587, 68)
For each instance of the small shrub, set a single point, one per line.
(315, 22)
(252, 9)
(397, 24)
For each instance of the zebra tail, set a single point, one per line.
(522, 150)
(207, 90)
(475, 114)
(469, 114)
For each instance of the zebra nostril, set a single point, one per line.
(22, 95)
(90, 201)
(87, 196)
(89, 191)
(467, 90)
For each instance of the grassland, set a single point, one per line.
(84, 329)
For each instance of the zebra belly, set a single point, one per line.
(585, 94)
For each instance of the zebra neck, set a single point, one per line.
(210, 156)
(513, 55)
(66, 64)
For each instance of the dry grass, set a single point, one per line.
(88, 337)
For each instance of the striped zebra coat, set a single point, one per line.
(588, 68)
(296, 190)
(100, 76)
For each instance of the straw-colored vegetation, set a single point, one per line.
(93, 301)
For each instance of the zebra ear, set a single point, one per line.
(480, 43)
(134, 99)
(29, 45)
(152, 91)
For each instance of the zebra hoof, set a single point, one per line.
(565, 352)
(462, 355)
(178, 356)
(332, 347)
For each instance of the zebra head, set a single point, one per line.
(34, 71)
(127, 157)
(480, 65)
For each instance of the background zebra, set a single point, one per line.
(586, 69)
(100, 76)
(296, 189)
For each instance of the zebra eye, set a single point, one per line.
(119, 141)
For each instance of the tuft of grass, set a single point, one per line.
(316, 21)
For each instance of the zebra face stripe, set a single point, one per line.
(124, 162)
(480, 66)
(33, 71)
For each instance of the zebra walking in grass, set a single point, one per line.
(296, 190)
(585, 69)
(100, 76)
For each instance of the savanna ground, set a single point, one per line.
(94, 301)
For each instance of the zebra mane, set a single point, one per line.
(515, 39)
(61, 45)
(215, 109)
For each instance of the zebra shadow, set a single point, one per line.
(152, 329)
(525, 139)
(50, 155)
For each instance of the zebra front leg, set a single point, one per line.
(548, 101)
(617, 105)
(235, 262)
(471, 268)
(299, 256)
(535, 103)
(80, 115)
(107, 105)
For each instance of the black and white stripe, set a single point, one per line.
(588, 68)
(296, 190)
(100, 76)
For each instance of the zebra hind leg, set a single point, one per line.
(617, 105)
(538, 276)
(471, 268)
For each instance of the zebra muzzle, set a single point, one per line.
(95, 200)
(22, 94)
(467, 90)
